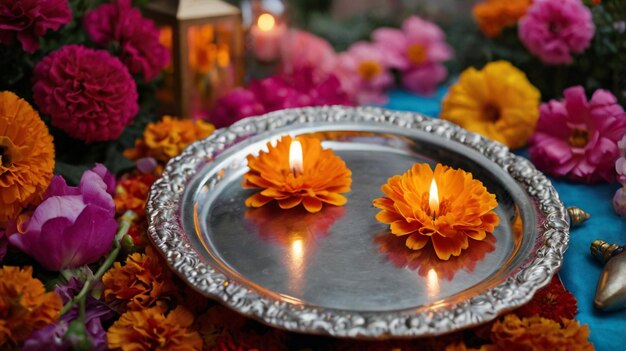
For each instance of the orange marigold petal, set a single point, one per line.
(416, 241)
(403, 227)
(289, 202)
(312, 204)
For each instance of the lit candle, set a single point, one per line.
(433, 200)
(295, 157)
(266, 37)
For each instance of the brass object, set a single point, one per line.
(603, 251)
(611, 289)
(577, 216)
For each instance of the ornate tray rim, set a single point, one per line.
(166, 232)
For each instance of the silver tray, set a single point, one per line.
(339, 272)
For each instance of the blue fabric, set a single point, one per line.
(580, 272)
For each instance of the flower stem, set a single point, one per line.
(125, 222)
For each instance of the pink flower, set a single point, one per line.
(87, 93)
(364, 73)
(300, 49)
(73, 226)
(620, 168)
(619, 202)
(28, 20)
(553, 30)
(238, 104)
(304, 87)
(576, 138)
(137, 37)
(418, 51)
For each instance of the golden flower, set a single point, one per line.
(25, 306)
(323, 178)
(498, 102)
(144, 281)
(26, 155)
(495, 15)
(539, 334)
(149, 329)
(168, 137)
(462, 209)
(132, 192)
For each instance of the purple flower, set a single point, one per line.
(54, 337)
(417, 51)
(137, 37)
(27, 20)
(576, 138)
(73, 226)
(553, 30)
(238, 104)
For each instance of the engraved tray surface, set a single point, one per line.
(339, 272)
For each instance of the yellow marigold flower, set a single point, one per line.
(539, 334)
(168, 137)
(26, 155)
(25, 306)
(149, 329)
(144, 281)
(498, 102)
(495, 15)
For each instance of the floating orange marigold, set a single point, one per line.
(150, 329)
(144, 281)
(324, 177)
(464, 211)
(498, 102)
(25, 306)
(26, 155)
(168, 137)
(495, 15)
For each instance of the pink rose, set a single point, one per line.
(553, 30)
(87, 93)
(576, 138)
(28, 20)
(137, 37)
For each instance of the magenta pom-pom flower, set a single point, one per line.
(418, 51)
(553, 30)
(576, 138)
(137, 37)
(28, 20)
(72, 226)
(87, 93)
(236, 105)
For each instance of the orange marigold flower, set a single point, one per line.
(324, 176)
(495, 15)
(539, 334)
(149, 329)
(168, 137)
(461, 209)
(498, 102)
(25, 306)
(144, 281)
(131, 194)
(26, 155)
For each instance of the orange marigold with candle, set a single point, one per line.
(319, 176)
(167, 138)
(150, 329)
(25, 306)
(495, 15)
(26, 155)
(447, 207)
(497, 102)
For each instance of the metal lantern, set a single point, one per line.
(207, 47)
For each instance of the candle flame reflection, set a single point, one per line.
(296, 265)
(432, 283)
(295, 157)
(433, 200)
(266, 22)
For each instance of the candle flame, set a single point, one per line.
(295, 157)
(433, 200)
(266, 22)
(432, 283)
